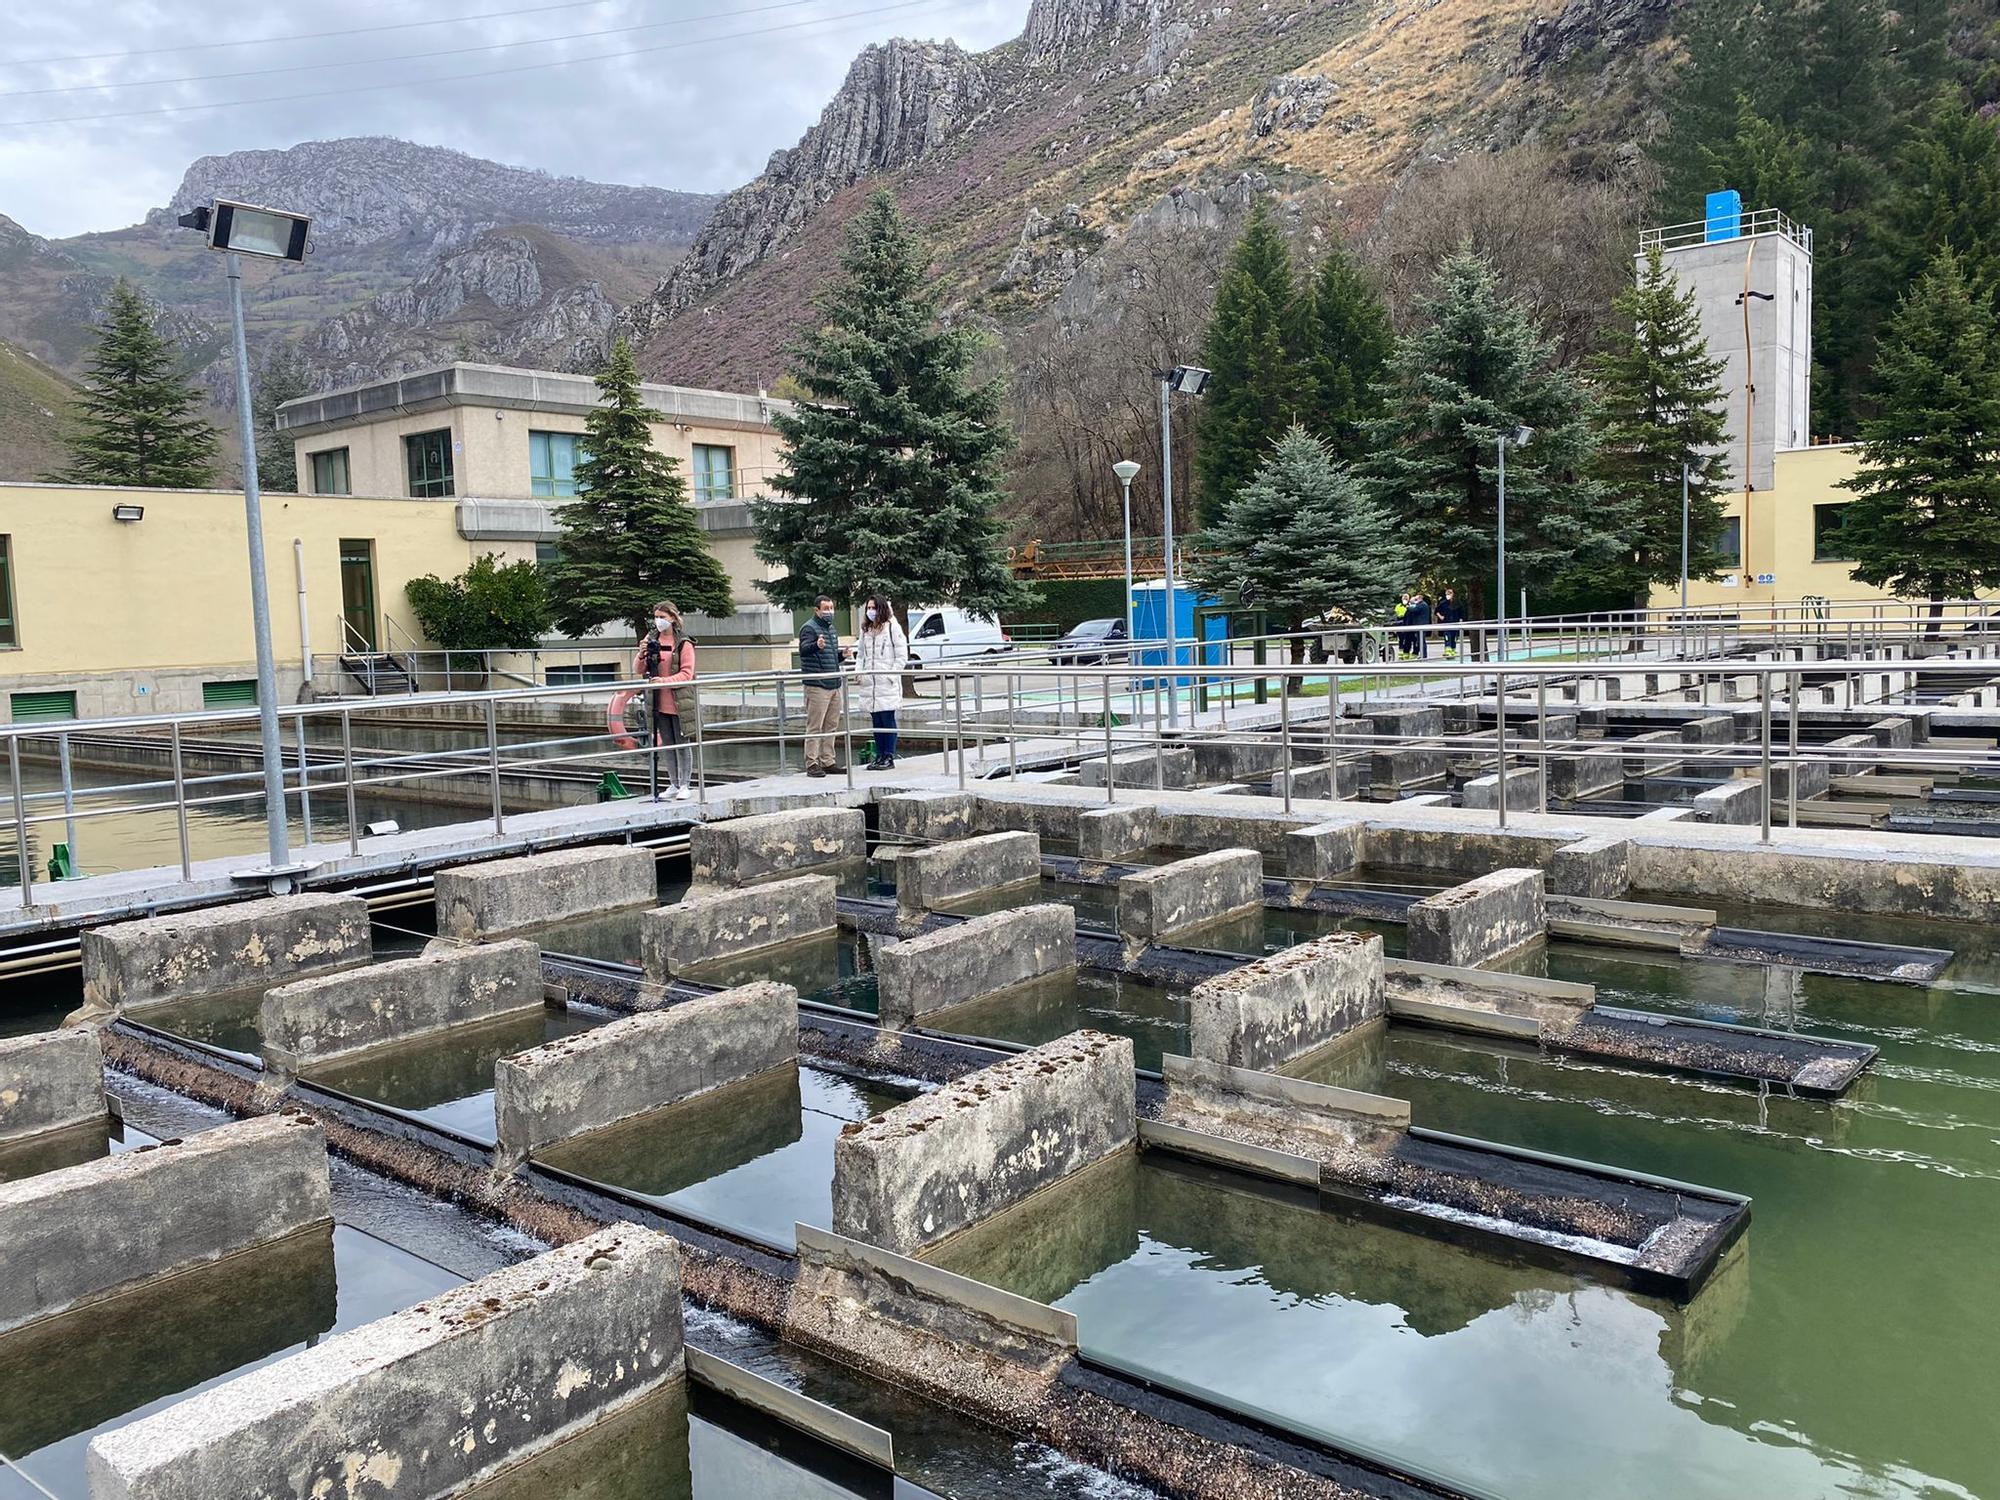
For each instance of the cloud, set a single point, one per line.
(669, 93)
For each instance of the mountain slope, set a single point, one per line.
(33, 403)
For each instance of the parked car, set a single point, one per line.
(946, 633)
(1069, 652)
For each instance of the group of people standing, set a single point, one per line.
(1415, 614)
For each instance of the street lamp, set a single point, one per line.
(1127, 471)
(239, 229)
(1684, 560)
(1189, 380)
(1513, 438)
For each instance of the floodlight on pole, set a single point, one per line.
(239, 229)
(1189, 380)
(1127, 471)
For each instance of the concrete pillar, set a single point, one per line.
(711, 923)
(1596, 867)
(1170, 767)
(736, 851)
(1265, 832)
(1234, 759)
(1815, 778)
(479, 902)
(1278, 1008)
(1589, 776)
(925, 817)
(427, 1401)
(1329, 781)
(1111, 833)
(1736, 802)
(1479, 921)
(1524, 790)
(928, 1168)
(935, 876)
(1652, 754)
(968, 959)
(1324, 850)
(1392, 772)
(1158, 903)
(50, 1080)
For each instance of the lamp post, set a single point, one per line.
(238, 229)
(1516, 437)
(1127, 471)
(1189, 381)
(1684, 560)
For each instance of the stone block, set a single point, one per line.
(1264, 831)
(939, 874)
(503, 896)
(1110, 833)
(246, 945)
(736, 851)
(1479, 921)
(1234, 759)
(972, 958)
(928, 1168)
(1736, 802)
(429, 1401)
(312, 1020)
(1815, 779)
(1893, 734)
(50, 1080)
(1324, 850)
(596, 1078)
(1171, 768)
(1712, 729)
(1280, 1007)
(71, 1236)
(1167, 899)
(1329, 781)
(1652, 754)
(1851, 754)
(1598, 867)
(1524, 790)
(1589, 775)
(1047, 816)
(925, 817)
(1396, 721)
(721, 922)
(1392, 773)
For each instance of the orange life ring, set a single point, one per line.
(614, 720)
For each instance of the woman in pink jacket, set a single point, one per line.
(667, 656)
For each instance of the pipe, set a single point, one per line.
(307, 689)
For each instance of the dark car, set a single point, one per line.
(1096, 634)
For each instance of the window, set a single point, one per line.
(1828, 523)
(40, 708)
(429, 455)
(590, 671)
(330, 472)
(552, 461)
(547, 554)
(241, 693)
(714, 472)
(9, 635)
(1729, 547)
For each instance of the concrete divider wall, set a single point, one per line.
(1396, 770)
(942, 873)
(737, 850)
(1815, 778)
(50, 1080)
(1735, 802)
(972, 958)
(1049, 813)
(925, 816)
(1400, 721)
(502, 896)
(312, 1020)
(929, 1167)
(1109, 833)
(1242, 1103)
(1591, 774)
(1479, 921)
(1173, 897)
(1599, 867)
(430, 1400)
(1524, 790)
(1234, 759)
(1264, 832)
(71, 1236)
(250, 944)
(1280, 1007)
(1329, 781)
(1458, 849)
(1171, 768)
(1324, 850)
(1858, 757)
(1649, 754)
(596, 1078)
(720, 922)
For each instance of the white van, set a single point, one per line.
(947, 633)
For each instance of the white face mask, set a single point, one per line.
(871, 614)
(663, 623)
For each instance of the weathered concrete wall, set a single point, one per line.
(1843, 879)
(1458, 849)
(1524, 790)
(250, 944)
(1263, 831)
(71, 1236)
(427, 1401)
(929, 878)
(1894, 734)
(930, 1167)
(1402, 721)
(504, 896)
(1479, 921)
(1234, 759)
(1652, 754)
(925, 817)
(1594, 773)
(1280, 1007)
(1394, 771)
(337, 1014)
(1109, 833)
(1858, 754)
(1171, 898)
(599, 1077)
(1735, 802)
(738, 850)
(1324, 850)
(1242, 1103)
(710, 923)
(50, 1080)
(1815, 774)
(1329, 781)
(972, 958)
(1599, 867)
(1171, 769)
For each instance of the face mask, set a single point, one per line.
(826, 614)
(871, 615)
(662, 623)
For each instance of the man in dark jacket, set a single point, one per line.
(819, 659)
(1418, 618)
(1450, 612)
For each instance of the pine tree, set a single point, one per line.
(893, 461)
(630, 537)
(1347, 347)
(1703, 104)
(1766, 163)
(137, 421)
(1926, 524)
(1261, 385)
(1475, 368)
(1660, 398)
(281, 377)
(1946, 193)
(1304, 536)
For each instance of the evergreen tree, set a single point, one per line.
(1946, 193)
(1926, 524)
(1304, 536)
(1347, 346)
(630, 537)
(1261, 385)
(137, 421)
(893, 461)
(1764, 162)
(281, 377)
(1475, 368)
(1717, 59)
(1660, 397)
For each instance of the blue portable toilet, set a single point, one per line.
(1723, 219)
(1149, 623)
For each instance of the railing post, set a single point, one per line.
(1110, 781)
(1333, 733)
(69, 798)
(847, 730)
(1542, 738)
(22, 857)
(1013, 738)
(305, 784)
(1792, 792)
(958, 724)
(781, 724)
(979, 714)
(701, 760)
(1159, 744)
(180, 805)
(1285, 739)
(493, 764)
(1500, 742)
(347, 775)
(1764, 752)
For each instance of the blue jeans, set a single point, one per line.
(884, 721)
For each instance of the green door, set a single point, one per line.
(357, 592)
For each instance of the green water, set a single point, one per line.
(1154, 1016)
(830, 969)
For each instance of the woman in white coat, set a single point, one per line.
(880, 652)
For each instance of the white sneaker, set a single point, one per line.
(681, 794)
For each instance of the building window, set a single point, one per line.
(1828, 523)
(552, 461)
(1729, 547)
(576, 676)
(9, 635)
(714, 472)
(548, 554)
(429, 455)
(330, 472)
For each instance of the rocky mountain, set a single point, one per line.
(33, 398)
(49, 299)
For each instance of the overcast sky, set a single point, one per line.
(695, 94)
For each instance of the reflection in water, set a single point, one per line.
(831, 969)
(52, 1150)
(1153, 1015)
